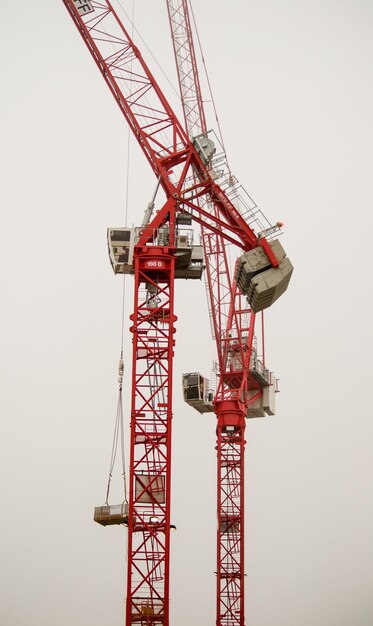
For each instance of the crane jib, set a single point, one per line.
(156, 253)
(83, 6)
(142, 102)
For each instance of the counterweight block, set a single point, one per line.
(262, 283)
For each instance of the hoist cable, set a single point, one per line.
(134, 29)
(122, 445)
(126, 201)
(119, 428)
(114, 447)
(209, 85)
(118, 436)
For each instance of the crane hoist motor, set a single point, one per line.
(198, 394)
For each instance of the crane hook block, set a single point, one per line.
(262, 283)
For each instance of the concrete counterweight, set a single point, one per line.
(259, 281)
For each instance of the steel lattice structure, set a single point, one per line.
(149, 514)
(228, 314)
(190, 186)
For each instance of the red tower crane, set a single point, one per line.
(239, 387)
(234, 335)
(156, 254)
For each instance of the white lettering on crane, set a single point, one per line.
(228, 205)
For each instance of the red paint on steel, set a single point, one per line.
(187, 69)
(269, 252)
(233, 325)
(150, 447)
(230, 600)
(150, 117)
(175, 161)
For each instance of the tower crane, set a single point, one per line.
(237, 363)
(241, 374)
(157, 253)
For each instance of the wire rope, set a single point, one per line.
(119, 427)
(134, 29)
(209, 85)
(161, 134)
(118, 435)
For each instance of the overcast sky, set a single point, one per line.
(293, 86)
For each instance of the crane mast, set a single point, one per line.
(156, 257)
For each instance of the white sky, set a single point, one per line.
(293, 85)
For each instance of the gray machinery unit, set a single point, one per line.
(261, 282)
(121, 242)
(196, 392)
(189, 258)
